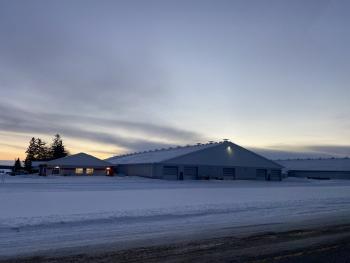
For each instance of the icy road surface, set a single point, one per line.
(39, 214)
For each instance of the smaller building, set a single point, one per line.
(333, 168)
(77, 165)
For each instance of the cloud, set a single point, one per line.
(334, 150)
(305, 151)
(14, 119)
(86, 77)
(50, 60)
(11, 146)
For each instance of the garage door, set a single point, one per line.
(170, 172)
(261, 174)
(276, 175)
(229, 173)
(190, 172)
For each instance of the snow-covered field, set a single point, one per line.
(43, 213)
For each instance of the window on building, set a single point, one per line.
(89, 171)
(56, 170)
(79, 170)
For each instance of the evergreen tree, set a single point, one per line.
(31, 152)
(17, 167)
(57, 148)
(42, 152)
(32, 149)
(36, 151)
(28, 164)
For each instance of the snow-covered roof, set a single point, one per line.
(317, 164)
(241, 156)
(79, 160)
(159, 155)
(38, 163)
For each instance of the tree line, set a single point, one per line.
(38, 150)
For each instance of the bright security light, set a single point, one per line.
(229, 150)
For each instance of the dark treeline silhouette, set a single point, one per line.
(39, 151)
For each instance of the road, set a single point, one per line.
(321, 244)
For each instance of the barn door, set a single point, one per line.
(229, 173)
(276, 175)
(190, 172)
(170, 172)
(261, 174)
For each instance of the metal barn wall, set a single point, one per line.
(246, 173)
(145, 170)
(320, 174)
(213, 172)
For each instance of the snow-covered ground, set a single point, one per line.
(42, 213)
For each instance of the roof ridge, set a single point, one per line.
(165, 149)
(212, 144)
(77, 156)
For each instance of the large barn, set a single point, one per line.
(221, 160)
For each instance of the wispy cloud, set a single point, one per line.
(17, 120)
(11, 146)
(56, 80)
(304, 151)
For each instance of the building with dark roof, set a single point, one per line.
(77, 164)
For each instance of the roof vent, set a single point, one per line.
(211, 142)
(225, 140)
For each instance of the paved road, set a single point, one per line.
(322, 244)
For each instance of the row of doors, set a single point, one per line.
(191, 172)
(274, 175)
(172, 172)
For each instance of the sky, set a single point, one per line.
(120, 76)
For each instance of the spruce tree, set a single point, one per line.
(31, 155)
(17, 167)
(42, 151)
(28, 164)
(57, 148)
(31, 150)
